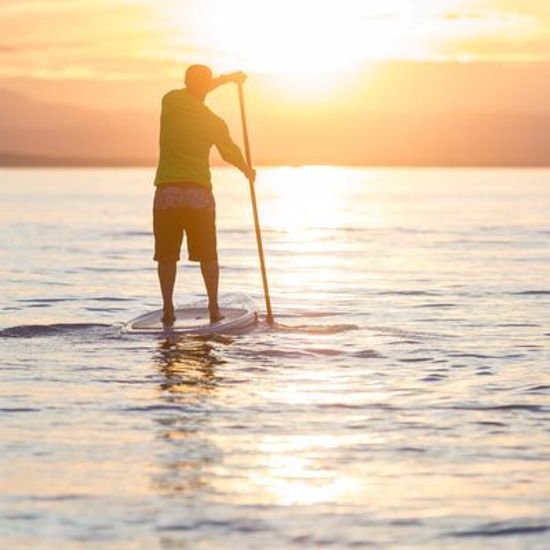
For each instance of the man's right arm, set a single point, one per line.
(231, 153)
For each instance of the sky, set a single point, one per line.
(311, 62)
(114, 39)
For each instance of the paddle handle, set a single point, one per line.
(269, 312)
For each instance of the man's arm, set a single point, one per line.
(231, 153)
(238, 78)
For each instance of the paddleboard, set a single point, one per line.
(194, 320)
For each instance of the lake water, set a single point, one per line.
(403, 401)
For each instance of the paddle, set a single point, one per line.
(269, 315)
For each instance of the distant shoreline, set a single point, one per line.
(16, 160)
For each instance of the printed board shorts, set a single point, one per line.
(184, 208)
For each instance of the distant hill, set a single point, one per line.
(17, 160)
(36, 133)
(33, 128)
(431, 139)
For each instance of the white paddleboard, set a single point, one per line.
(194, 320)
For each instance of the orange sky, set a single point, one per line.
(112, 39)
(311, 62)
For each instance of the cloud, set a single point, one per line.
(37, 7)
(49, 36)
(39, 46)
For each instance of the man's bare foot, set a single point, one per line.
(216, 315)
(168, 317)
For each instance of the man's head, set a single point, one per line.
(198, 80)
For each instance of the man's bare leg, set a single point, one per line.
(211, 275)
(166, 270)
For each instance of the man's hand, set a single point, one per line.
(238, 77)
(250, 174)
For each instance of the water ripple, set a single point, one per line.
(56, 329)
(502, 530)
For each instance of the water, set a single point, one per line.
(403, 401)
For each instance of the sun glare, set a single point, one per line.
(311, 38)
(311, 45)
(318, 187)
(312, 48)
(285, 36)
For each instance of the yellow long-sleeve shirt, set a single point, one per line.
(188, 129)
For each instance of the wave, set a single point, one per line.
(510, 407)
(408, 293)
(311, 313)
(11, 410)
(542, 389)
(403, 333)
(517, 325)
(57, 329)
(472, 355)
(436, 305)
(502, 530)
(315, 329)
(45, 300)
(344, 327)
(532, 293)
(73, 299)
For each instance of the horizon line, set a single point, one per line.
(22, 160)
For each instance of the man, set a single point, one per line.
(184, 202)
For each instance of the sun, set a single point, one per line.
(294, 37)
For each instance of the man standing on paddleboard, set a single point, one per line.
(184, 202)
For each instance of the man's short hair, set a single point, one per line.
(198, 77)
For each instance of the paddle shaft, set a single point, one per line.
(269, 313)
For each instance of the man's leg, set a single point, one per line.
(211, 275)
(166, 270)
